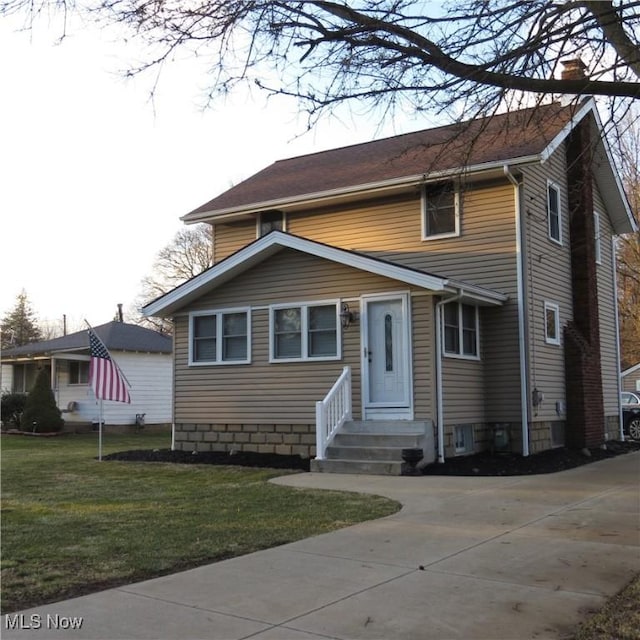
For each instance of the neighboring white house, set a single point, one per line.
(144, 357)
(631, 379)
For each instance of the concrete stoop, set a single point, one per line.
(372, 447)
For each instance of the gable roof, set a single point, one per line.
(116, 336)
(275, 241)
(517, 137)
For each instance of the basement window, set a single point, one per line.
(463, 438)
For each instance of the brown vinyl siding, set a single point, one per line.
(463, 392)
(548, 279)
(263, 392)
(231, 237)
(606, 311)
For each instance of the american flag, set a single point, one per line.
(105, 377)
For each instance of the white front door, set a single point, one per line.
(387, 360)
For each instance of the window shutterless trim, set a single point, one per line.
(219, 337)
(597, 238)
(552, 306)
(424, 223)
(304, 331)
(461, 329)
(553, 186)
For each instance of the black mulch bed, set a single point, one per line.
(481, 464)
(507, 464)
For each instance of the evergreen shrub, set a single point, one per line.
(41, 414)
(11, 409)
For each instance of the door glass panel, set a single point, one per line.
(388, 342)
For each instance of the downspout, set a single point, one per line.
(173, 391)
(524, 391)
(439, 387)
(614, 267)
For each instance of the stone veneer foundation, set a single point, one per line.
(284, 439)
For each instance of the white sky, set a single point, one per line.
(93, 177)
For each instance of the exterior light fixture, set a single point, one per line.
(346, 316)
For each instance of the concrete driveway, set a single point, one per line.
(472, 558)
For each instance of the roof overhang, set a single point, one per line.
(66, 354)
(353, 193)
(606, 176)
(276, 241)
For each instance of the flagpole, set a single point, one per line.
(100, 420)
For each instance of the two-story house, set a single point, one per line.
(455, 286)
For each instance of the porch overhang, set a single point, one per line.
(276, 241)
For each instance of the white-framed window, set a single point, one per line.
(304, 331)
(461, 330)
(220, 337)
(463, 438)
(78, 372)
(551, 323)
(270, 221)
(24, 377)
(554, 212)
(596, 233)
(440, 211)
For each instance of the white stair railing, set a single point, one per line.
(333, 412)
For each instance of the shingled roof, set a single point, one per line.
(519, 134)
(117, 336)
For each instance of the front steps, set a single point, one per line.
(375, 447)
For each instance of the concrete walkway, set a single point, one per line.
(472, 558)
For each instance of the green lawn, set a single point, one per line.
(73, 525)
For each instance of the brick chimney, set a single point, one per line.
(583, 371)
(574, 69)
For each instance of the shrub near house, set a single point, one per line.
(41, 415)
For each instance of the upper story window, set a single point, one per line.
(551, 323)
(219, 337)
(270, 221)
(554, 212)
(461, 330)
(440, 211)
(78, 372)
(596, 231)
(304, 332)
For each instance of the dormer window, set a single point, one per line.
(270, 221)
(440, 211)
